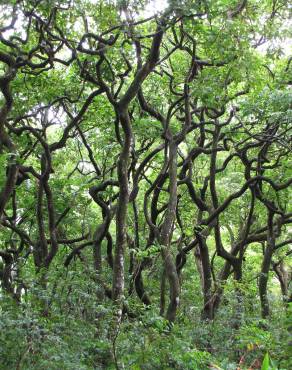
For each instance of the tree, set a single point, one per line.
(148, 155)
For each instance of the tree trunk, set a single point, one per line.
(283, 277)
(121, 216)
(207, 312)
(166, 234)
(264, 276)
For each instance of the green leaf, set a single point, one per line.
(266, 361)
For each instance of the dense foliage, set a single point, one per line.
(145, 176)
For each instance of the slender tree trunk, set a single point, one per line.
(139, 284)
(283, 277)
(263, 281)
(207, 312)
(264, 276)
(121, 215)
(162, 292)
(166, 234)
(238, 315)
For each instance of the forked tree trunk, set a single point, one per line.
(121, 108)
